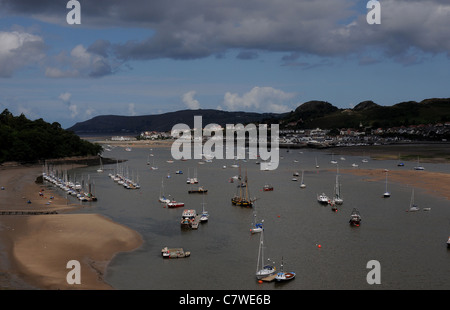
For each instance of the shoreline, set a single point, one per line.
(36, 248)
(434, 183)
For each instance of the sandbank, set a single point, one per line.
(435, 183)
(36, 248)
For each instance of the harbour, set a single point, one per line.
(411, 247)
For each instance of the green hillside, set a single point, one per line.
(23, 140)
(323, 115)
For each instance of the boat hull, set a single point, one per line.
(265, 272)
(175, 204)
(285, 276)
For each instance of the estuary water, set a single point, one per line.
(410, 246)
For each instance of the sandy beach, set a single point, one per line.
(36, 248)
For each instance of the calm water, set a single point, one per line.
(409, 246)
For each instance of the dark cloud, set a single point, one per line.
(100, 47)
(247, 55)
(200, 28)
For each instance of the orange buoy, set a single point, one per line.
(260, 281)
(319, 246)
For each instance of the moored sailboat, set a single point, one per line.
(242, 197)
(386, 192)
(205, 214)
(263, 270)
(162, 197)
(412, 206)
(302, 184)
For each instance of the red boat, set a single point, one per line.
(268, 187)
(174, 204)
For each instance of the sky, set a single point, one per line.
(144, 57)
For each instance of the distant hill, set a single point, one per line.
(107, 124)
(322, 114)
(311, 114)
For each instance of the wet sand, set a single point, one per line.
(435, 183)
(36, 248)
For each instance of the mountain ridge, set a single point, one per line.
(311, 114)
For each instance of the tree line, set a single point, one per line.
(24, 140)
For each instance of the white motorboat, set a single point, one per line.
(322, 198)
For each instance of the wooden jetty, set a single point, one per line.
(27, 212)
(269, 278)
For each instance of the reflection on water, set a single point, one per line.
(409, 246)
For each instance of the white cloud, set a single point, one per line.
(73, 110)
(19, 49)
(79, 63)
(189, 101)
(260, 99)
(65, 96)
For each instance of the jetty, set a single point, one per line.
(174, 253)
(27, 212)
(269, 278)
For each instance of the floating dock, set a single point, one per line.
(269, 278)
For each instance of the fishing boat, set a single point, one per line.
(263, 270)
(267, 188)
(284, 276)
(199, 190)
(174, 253)
(355, 217)
(386, 193)
(322, 198)
(412, 206)
(187, 218)
(174, 204)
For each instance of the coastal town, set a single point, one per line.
(323, 138)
